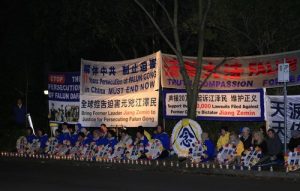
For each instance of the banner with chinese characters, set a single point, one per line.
(229, 105)
(122, 93)
(122, 77)
(63, 95)
(129, 110)
(275, 114)
(249, 72)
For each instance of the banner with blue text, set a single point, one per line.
(122, 93)
(223, 105)
(63, 96)
(121, 77)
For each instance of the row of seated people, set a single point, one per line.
(269, 143)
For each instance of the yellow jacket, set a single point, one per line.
(223, 140)
(239, 149)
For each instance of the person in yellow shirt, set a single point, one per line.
(238, 144)
(224, 138)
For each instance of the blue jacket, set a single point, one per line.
(73, 138)
(210, 149)
(60, 138)
(30, 138)
(164, 138)
(144, 142)
(43, 140)
(102, 141)
(112, 142)
(20, 114)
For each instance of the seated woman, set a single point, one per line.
(96, 140)
(43, 138)
(103, 138)
(59, 136)
(274, 146)
(111, 137)
(165, 140)
(29, 135)
(259, 142)
(224, 137)
(80, 139)
(141, 140)
(238, 144)
(73, 135)
(125, 139)
(210, 147)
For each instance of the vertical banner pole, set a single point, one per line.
(285, 114)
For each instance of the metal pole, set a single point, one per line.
(285, 115)
(285, 118)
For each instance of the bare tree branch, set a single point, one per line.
(157, 27)
(166, 12)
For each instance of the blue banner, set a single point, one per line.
(221, 105)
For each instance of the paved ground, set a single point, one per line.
(37, 175)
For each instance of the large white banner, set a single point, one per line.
(123, 93)
(130, 110)
(275, 114)
(122, 77)
(242, 105)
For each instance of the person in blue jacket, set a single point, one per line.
(29, 135)
(59, 136)
(80, 140)
(96, 137)
(141, 140)
(65, 131)
(73, 135)
(111, 137)
(103, 138)
(43, 138)
(165, 140)
(210, 147)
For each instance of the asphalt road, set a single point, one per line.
(36, 175)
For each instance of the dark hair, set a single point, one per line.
(81, 134)
(103, 124)
(42, 130)
(71, 127)
(225, 128)
(272, 130)
(160, 127)
(140, 129)
(65, 123)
